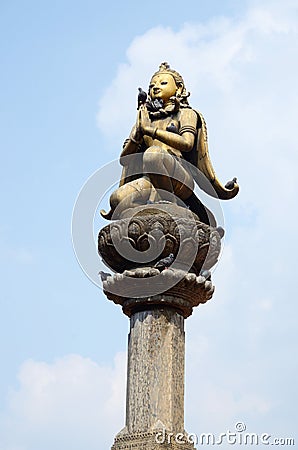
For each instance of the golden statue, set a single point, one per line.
(167, 152)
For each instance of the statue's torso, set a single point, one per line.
(178, 120)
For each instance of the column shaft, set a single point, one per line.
(155, 377)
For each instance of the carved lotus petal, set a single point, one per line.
(157, 232)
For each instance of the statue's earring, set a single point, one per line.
(179, 91)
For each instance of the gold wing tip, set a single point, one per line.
(106, 215)
(232, 192)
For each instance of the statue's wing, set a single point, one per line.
(203, 162)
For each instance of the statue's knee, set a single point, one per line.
(151, 157)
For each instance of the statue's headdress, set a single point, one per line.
(165, 68)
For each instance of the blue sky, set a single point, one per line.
(68, 69)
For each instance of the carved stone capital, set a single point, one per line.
(152, 232)
(147, 288)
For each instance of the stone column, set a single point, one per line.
(155, 382)
(155, 375)
(156, 353)
(157, 303)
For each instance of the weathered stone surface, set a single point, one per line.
(155, 377)
(151, 441)
(146, 288)
(155, 231)
(155, 383)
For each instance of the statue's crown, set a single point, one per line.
(165, 68)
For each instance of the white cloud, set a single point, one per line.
(73, 403)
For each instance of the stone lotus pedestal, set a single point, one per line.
(158, 304)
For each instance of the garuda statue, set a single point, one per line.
(166, 153)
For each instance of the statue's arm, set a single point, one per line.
(184, 141)
(131, 145)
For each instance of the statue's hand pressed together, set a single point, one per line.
(164, 149)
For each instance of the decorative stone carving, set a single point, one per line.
(133, 245)
(145, 288)
(149, 441)
(155, 231)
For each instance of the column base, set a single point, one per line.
(152, 441)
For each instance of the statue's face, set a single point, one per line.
(162, 86)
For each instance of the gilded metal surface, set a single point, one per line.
(167, 133)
